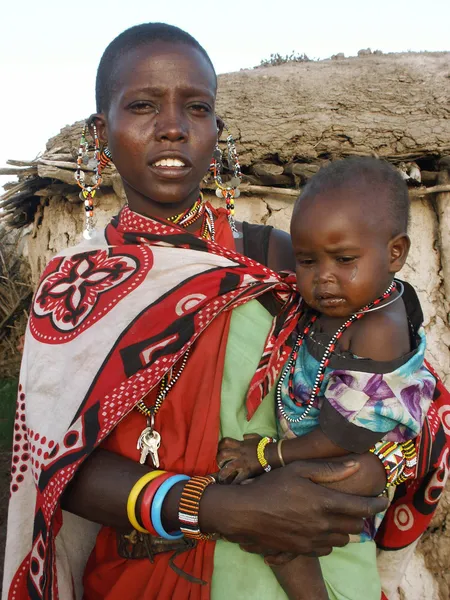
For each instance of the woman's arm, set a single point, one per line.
(302, 517)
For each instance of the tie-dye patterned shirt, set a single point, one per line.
(361, 401)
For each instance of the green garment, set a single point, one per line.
(350, 573)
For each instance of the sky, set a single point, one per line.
(50, 49)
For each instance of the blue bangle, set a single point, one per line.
(157, 506)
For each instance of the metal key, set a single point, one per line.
(154, 442)
(148, 443)
(142, 445)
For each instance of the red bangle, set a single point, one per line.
(147, 499)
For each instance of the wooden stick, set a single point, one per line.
(18, 171)
(436, 189)
(21, 163)
(61, 164)
(262, 189)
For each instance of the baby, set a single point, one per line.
(356, 374)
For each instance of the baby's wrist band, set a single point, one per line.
(279, 452)
(261, 454)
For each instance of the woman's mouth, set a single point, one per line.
(170, 168)
(169, 162)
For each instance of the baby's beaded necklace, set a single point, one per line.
(150, 440)
(325, 361)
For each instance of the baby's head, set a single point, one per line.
(349, 232)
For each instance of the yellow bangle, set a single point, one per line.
(134, 495)
(260, 453)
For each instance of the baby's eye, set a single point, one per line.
(345, 259)
(305, 262)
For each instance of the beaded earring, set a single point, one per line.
(229, 190)
(101, 160)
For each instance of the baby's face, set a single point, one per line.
(342, 256)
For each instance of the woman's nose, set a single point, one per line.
(171, 125)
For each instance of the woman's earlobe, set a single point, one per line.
(220, 126)
(399, 249)
(98, 120)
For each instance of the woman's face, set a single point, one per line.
(161, 126)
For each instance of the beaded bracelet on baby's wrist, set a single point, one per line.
(260, 449)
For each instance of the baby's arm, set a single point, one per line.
(238, 461)
(380, 336)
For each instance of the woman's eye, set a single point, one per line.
(143, 106)
(197, 107)
(346, 259)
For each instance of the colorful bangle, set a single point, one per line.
(398, 460)
(147, 501)
(410, 455)
(157, 504)
(260, 452)
(134, 495)
(280, 454)
(188, 512)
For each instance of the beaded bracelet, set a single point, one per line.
(157, 505)
(398, 460)
(188, 511)
(410, 454)
(134, 495)
(147, 501)
(260, 452)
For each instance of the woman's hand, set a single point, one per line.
(286, 511)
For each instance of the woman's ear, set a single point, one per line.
(220, 126)
(398, 251)
(98, 119)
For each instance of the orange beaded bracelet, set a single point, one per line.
(188, 511)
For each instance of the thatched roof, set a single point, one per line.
(290, 119)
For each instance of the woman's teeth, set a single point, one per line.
(169, 162)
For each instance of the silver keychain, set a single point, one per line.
(148, 443)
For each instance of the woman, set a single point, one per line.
(110, 318)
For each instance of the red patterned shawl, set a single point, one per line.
(416, 500)
(108, 319)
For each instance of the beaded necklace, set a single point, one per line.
(150, 440)
(198, 210)
(325, 361)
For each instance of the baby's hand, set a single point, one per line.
(238, 460)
